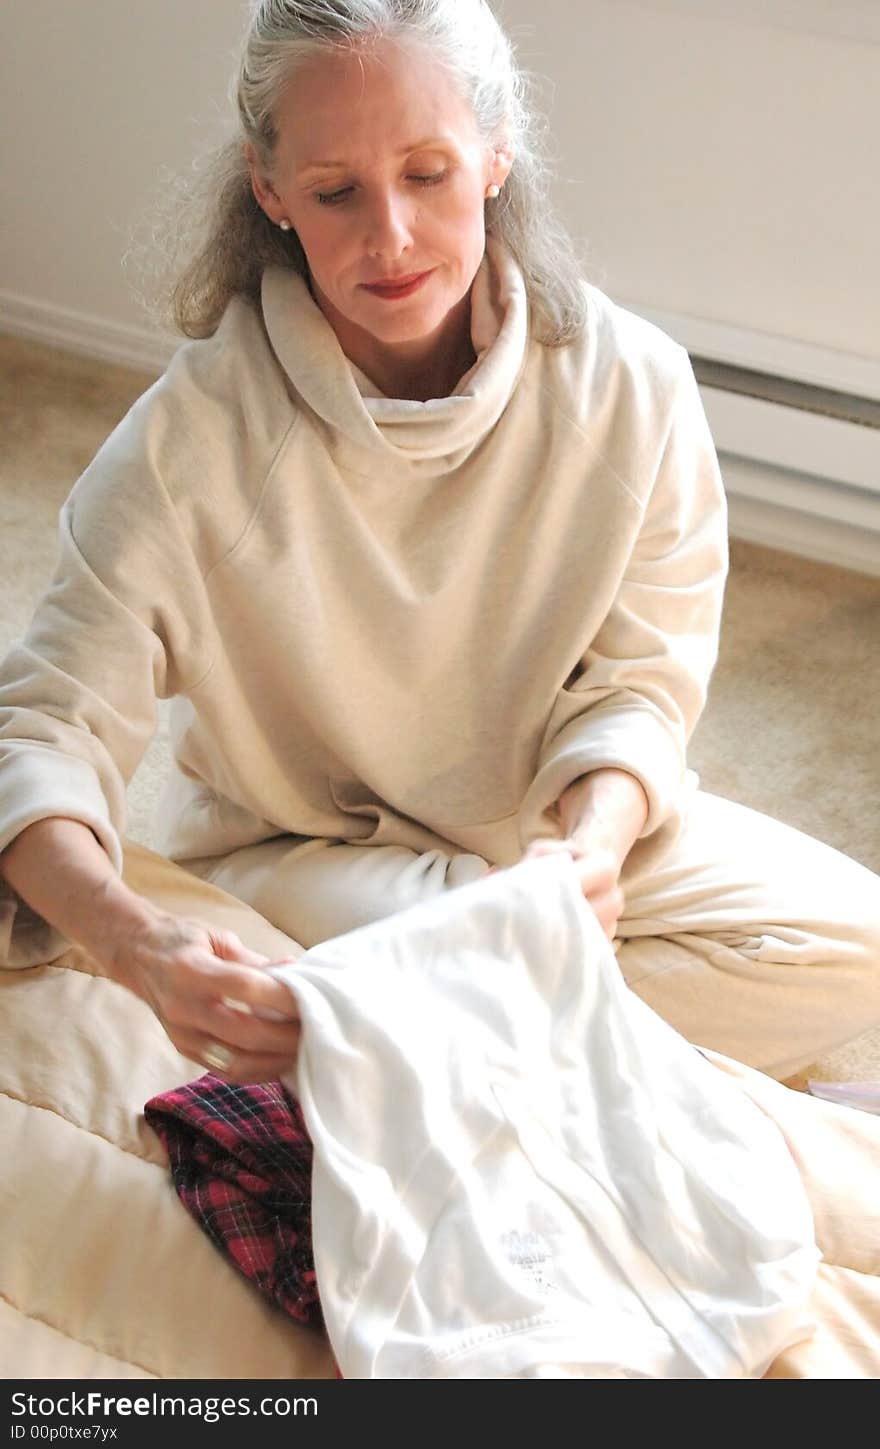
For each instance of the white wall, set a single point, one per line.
(97, 96)
(720, 167)
(717, 167)
(716, 160)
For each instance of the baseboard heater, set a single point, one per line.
(797, 429)
(801, 462)
(787, 392)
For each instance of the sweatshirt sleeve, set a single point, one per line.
(641, 685)
(117, 628)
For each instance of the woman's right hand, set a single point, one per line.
(211, 992)
(213, 995)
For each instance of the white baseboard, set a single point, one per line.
(802, 483)
(127, 346)
(795, 441)
(807, 516)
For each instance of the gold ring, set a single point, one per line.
(217, 1056)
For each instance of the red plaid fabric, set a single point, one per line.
(241, 1162)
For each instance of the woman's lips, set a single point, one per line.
(390, 291)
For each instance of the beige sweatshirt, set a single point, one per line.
(381, 620)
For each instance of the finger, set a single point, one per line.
(243, 1030)
(596, 870)
(247, 989)
(269, 1013)
(265, 1013)
(229, 947)
(233, 1065)
(607, 909)
(546, 846)
(250, 1033)
(254, 1070)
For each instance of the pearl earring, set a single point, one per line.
(492, 192)
(285, 224)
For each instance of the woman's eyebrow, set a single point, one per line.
(431, 142)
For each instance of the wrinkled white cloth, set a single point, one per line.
(520, 1170)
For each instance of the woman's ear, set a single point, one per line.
(501, 160)
(262, 188)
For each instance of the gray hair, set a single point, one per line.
(215, 220)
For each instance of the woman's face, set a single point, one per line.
(382, 172)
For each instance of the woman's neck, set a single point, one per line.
(424, 368)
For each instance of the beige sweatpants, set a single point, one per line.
(749, 937)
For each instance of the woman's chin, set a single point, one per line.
(404, 322)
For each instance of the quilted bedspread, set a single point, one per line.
(103, 1274)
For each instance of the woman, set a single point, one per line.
(427, 540)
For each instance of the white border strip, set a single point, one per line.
(762, 352)
(127, 346)
(786, 437)
(801, 517)
(809, 497)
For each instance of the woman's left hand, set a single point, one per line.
(598, 870)
(601, 816)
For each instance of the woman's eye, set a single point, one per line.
(333, 198)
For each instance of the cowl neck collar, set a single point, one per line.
(435, 435)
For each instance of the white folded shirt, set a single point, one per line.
(520, 1170)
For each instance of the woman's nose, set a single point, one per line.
(389, 225)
